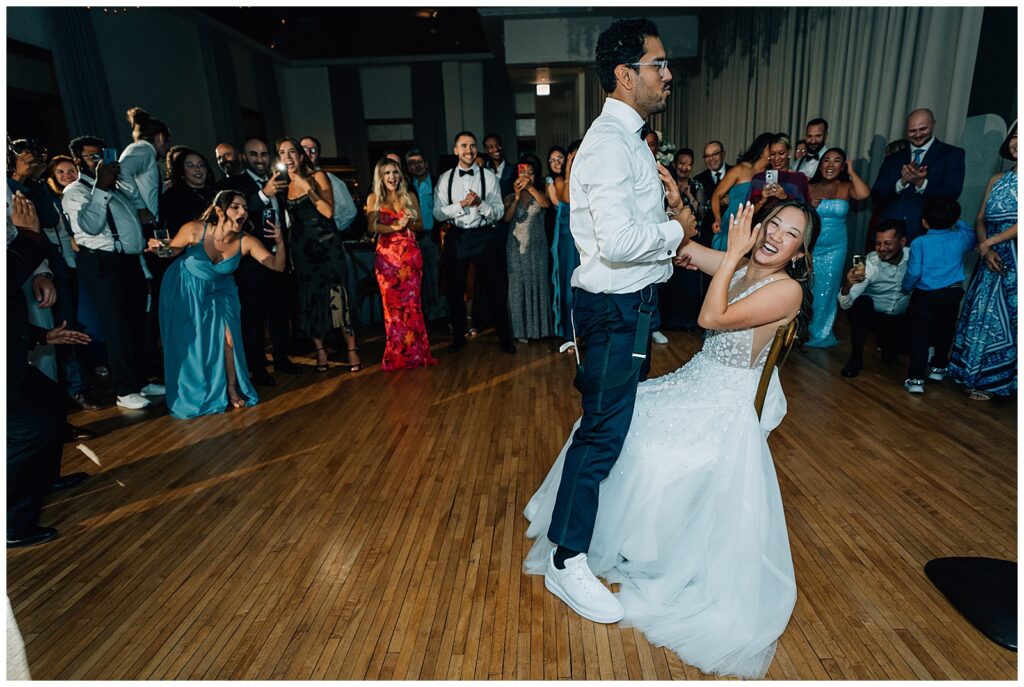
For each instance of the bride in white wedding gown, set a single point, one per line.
(690, 519)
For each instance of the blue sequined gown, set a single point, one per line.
(565, 259)
(198, 302)
(738, 194)
(984, 354)
(829, 258)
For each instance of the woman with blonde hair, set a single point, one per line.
(393, 214)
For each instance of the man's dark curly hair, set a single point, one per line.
(621, 43)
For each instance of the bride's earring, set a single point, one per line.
(793, 263)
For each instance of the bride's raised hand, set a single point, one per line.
(742, 236)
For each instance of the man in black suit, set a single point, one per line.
(263, 294)
(497, 163)
(928, 168)
(36, 406)
(714, 158)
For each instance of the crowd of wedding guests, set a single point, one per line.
(156, 269)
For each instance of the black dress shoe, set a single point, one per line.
(68, 481)
(78, 433)
(85, 402)
(36, 535)
(852, 368)
(262, 377)
(457, 345)
(287, 366)
(508, 347)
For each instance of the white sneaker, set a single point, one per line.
(937, 374)
(153, 390)
(659, 338)
(133, 401)
(581, 590)
(914, 386)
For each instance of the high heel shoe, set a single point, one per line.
(355, 367)
(319, 367)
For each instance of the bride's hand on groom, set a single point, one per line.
(742, 236)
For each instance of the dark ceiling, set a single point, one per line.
(338, 32)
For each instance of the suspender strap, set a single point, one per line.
(643, 332)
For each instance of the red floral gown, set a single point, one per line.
(399, 267)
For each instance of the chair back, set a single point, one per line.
(785, 335)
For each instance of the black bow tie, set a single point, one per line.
(811, 156)
(463, 173)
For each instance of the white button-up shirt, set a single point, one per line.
(140, 177)
(617, 201)
(883, 283)
(490, 210)
(87, 206)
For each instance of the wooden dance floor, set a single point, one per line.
(369, 526)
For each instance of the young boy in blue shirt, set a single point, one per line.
(935, 276)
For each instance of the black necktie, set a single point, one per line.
(463, 173)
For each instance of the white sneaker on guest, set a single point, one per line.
(581, 590)
(153, 390)
(659, 338)
(133, 401)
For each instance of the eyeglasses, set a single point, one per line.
(662, 65)
(311, 149)
(714, 154)
(94, 158)
(556, 159)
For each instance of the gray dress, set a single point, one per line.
(529, 296)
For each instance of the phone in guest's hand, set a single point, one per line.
(268, 218)
(771, 177)
(282, 169)
(858, 264)
(524, 170)
(109, 156)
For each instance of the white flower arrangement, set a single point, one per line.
(666, 150)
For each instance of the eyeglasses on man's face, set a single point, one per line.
(708, 156)
(311, 150)
(662, 65)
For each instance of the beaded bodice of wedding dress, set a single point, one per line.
(735, 348)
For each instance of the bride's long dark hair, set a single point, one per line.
(801, 270)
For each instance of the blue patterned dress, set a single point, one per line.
(828, 257)
(984, 354)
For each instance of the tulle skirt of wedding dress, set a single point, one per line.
(690, 520)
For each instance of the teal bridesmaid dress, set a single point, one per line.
(738, 195)
(198, 304)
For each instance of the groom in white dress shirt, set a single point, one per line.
(626, 241)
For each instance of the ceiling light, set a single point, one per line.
(543, 89)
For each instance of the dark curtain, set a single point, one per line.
(222, 85)
(499, 107)
(429, 128)
(350, 122)
(269, 95)
(84, 91)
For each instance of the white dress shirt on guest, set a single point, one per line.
(140, 176)
(617, 216)
(488, 212)
(808, 165)
(883, 283)
(87, 206)
(924, 151)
